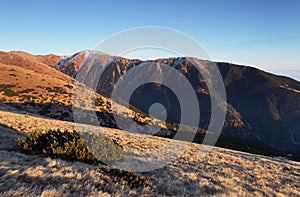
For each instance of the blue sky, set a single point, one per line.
(261, 33)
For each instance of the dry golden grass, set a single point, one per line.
(31, 62)
(40, 87)
(24, 79)
(220, 172)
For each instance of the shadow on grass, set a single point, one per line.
(170, 182)
(106, 119)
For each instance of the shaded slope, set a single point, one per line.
(270, 103)
(262, 108)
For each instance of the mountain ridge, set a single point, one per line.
(236, 79)
(262, 108)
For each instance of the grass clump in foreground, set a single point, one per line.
(69, 145)
(125, 177)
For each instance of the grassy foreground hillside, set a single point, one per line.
(220, 172)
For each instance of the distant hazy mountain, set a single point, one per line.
(294, 74)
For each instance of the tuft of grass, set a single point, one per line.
(132, 179)
(28, 90)
(57, 89)
(68, 86)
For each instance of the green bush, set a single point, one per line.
(69, 145)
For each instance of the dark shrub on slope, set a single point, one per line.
(69, 145)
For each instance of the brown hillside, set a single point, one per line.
(31, 62)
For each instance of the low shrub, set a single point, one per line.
(10, 93)
(6, 86)
(69, 145)
(6, 89)
(68, 86)
(56, 89)
(26, 90)
(12, 74)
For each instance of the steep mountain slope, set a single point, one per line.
(263, 109)
(270, 103)
(34, 63)
(27, 84)
(70, 65)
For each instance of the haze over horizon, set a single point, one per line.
(262, 34)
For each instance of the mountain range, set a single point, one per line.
(262, 114)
